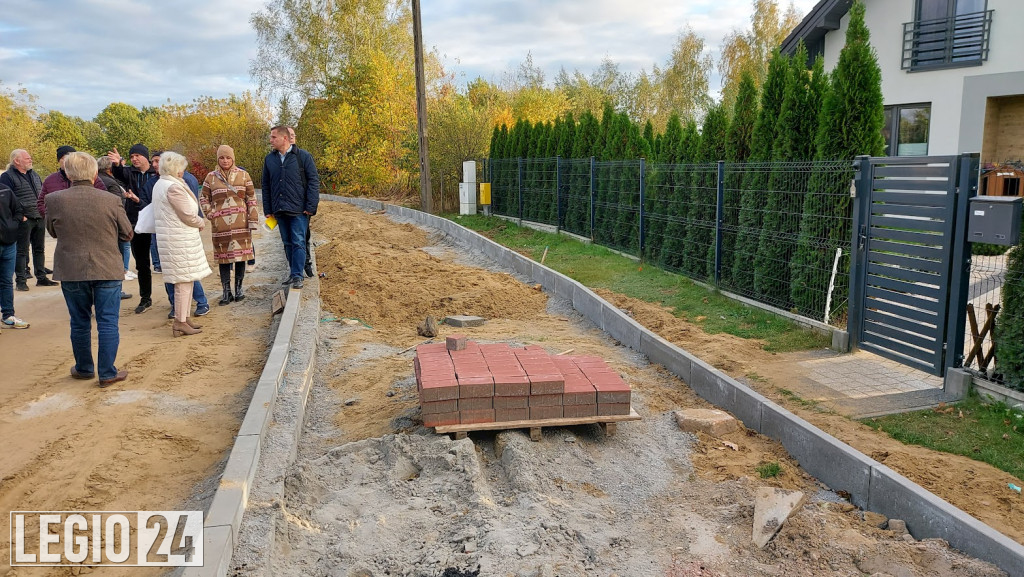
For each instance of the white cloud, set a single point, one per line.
(79, 56)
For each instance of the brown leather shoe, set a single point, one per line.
(180, 329)
(121, 375)
(81, 376)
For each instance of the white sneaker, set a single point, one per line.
(129, 275)
(13, 322)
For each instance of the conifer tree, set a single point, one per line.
(1010, 336)
(661, 173)
(794, 135)
(678, 197)
(701, 211)
(583, 149)
(737, 151)
(850, 124)
(756, 178)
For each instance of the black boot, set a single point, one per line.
(239, 295)
(227, 298)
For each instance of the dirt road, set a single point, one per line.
(153, 442)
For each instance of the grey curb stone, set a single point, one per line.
(957, 383)
(871, 485)
(217, 547)
(838, 465)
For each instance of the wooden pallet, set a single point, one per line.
(607, 422)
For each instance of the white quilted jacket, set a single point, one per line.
(182, 257)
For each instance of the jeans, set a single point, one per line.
(154, 254)
(126, 252)
(31, 231)
(8, 256)
(103, 296)
(140, 250)
(293, 233)
(197, 293)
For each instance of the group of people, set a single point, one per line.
(93, 209)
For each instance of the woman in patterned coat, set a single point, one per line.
(228, 199)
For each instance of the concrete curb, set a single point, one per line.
(221, 526)
(872, 485)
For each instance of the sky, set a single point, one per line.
(78, 56)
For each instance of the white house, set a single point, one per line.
(952, 71)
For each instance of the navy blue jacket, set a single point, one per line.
(141, 183)
(10, 215)
(283, 189)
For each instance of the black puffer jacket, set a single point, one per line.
(10, 216)
(26, 188)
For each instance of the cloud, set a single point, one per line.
(79, 56)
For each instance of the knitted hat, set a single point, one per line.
(139, 149)
(63, 151)
(225, 150)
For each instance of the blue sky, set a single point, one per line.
(79, 56)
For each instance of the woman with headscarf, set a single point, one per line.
(229, 201)
(178, 224)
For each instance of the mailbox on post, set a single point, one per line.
(995, 220)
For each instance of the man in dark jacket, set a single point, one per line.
(11, 217)
(26, 185)
(291, 192)
(138, 179)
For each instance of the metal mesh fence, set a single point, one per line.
(776, 232)
(994, 339)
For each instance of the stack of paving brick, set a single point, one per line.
(461, 382)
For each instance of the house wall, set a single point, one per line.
(1004, 130)
(958, 96)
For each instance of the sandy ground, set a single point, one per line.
(375, 493)
(154, 442)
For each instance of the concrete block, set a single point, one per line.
(544, 276)
(520, 264)
(704, 382)
(928, 516)
(840, 341)
(218, 546)
(455, 342)
(589, 305)
(464, 321)
(957, 383)
(661, 352)
(708, 421)
(622, 327)
(836, 464)
(746, 405)
(772, 506)
(261, 408)
(227, 508)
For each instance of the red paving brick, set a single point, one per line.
(612, 409)
(545, 400)
(439, 390)
(546, 412)
(449, 406)
(522, 402)
(474, 417)
(546, 384)
(511, 386)
(475, 403)
(501, 415)
(476, 387)
(579, 411)
(440, 419)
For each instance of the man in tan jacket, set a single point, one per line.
(87, 224)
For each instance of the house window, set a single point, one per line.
(947, 34)
(906, 129)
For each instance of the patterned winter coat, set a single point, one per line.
(229, 201)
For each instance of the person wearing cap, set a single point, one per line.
(138, 178)
(11, 218)
(229, 201)
(26, 184)
(87, 224)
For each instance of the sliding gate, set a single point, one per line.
(910, 262)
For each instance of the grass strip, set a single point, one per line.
(598, 267)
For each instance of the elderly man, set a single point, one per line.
(291, 192)
(26, 185)
(87, 224)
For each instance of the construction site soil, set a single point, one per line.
(373, 492)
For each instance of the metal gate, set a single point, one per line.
(909, 268)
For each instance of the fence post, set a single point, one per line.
(719, 219)
(519, 178)
(558, 193)
(960, 277)
(643, 213)
(592, 198)
(861, 191)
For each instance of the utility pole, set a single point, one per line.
(426, 192)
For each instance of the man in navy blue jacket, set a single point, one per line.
(291, 192)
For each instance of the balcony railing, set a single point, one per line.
(961, 40)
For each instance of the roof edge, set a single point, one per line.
(823, 18)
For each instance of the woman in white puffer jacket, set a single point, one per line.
(178, 223)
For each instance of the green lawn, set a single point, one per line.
(598, 267)
(989, 432)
